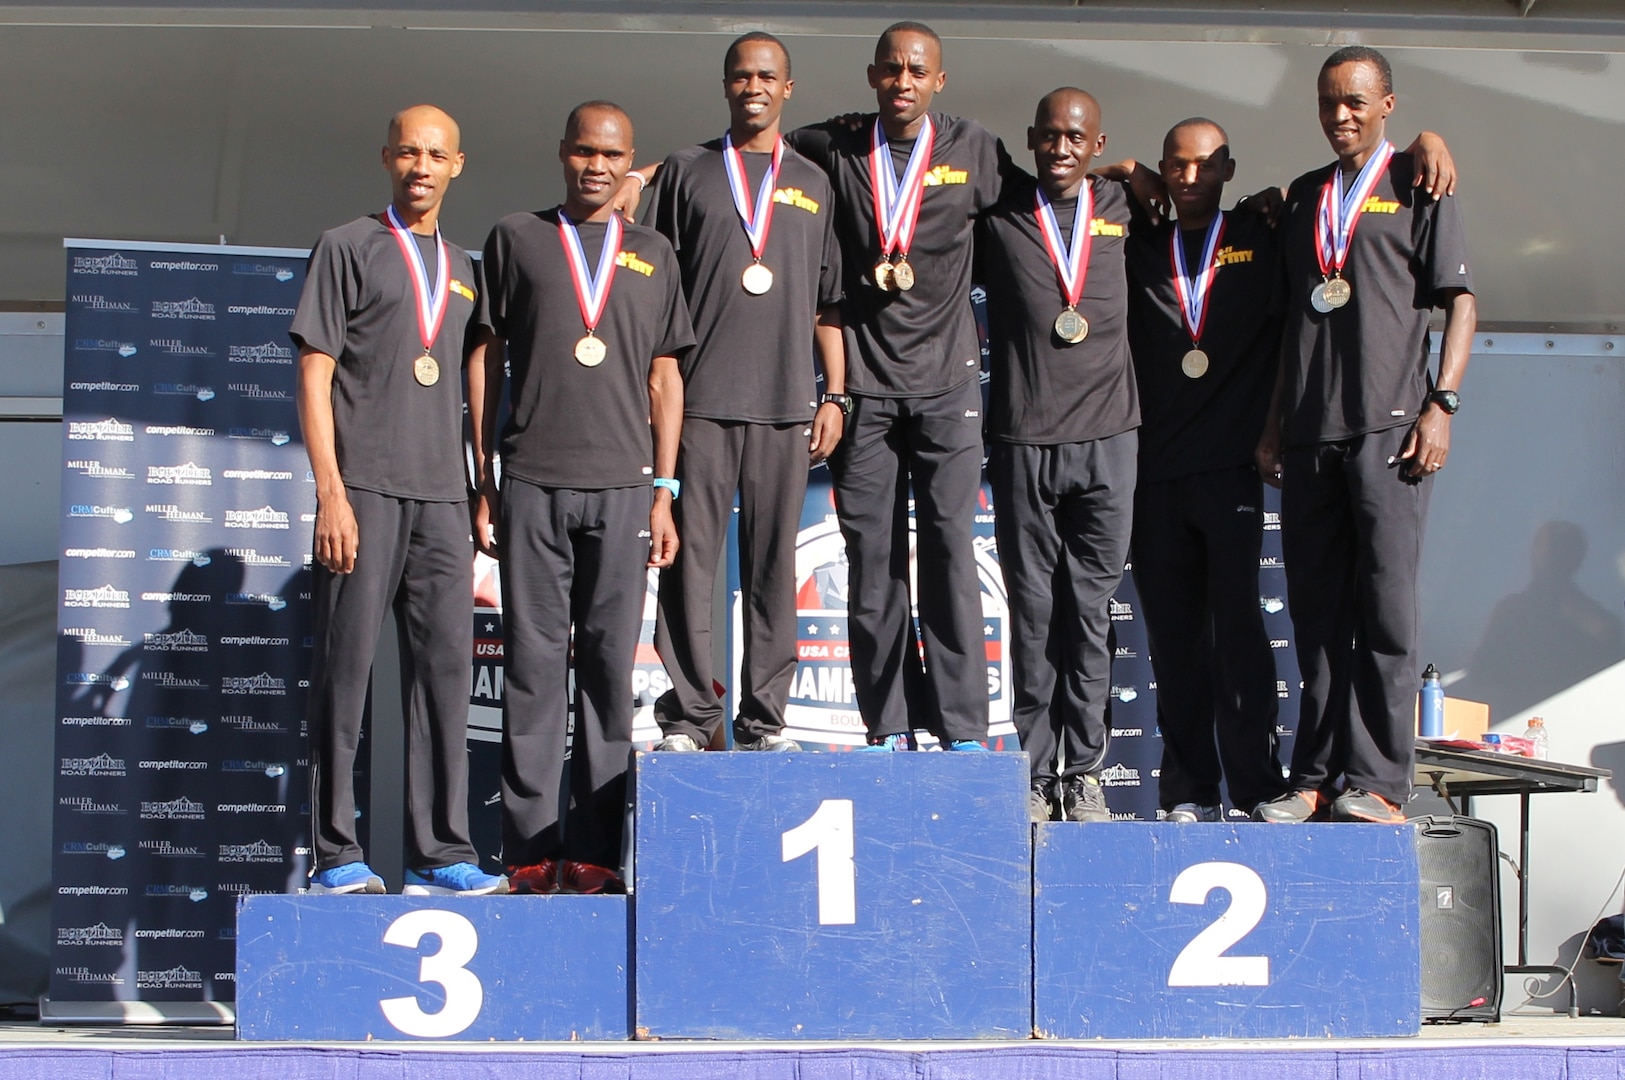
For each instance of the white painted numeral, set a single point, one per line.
(829, 832)
(1202, 962)
(464, 994)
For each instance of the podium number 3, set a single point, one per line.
(464, 994)
(829, 832)
(1202, 962)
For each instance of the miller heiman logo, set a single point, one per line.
(109, 430)
(190, 473)
(100, 934)
(103, 597)
(266, 517)
(191, 308)
(114, 265)
(269, 353)
(181, 809)
(262, 685)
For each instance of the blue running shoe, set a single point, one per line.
(889, 744)
(351, 877)
(458, 879)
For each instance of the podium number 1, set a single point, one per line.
(829, 832)
(1202, 962)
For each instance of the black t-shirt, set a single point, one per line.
(922, 342)
(1046, 392)
(391, 435)
(1364, 366)
(754, 356)
(573, 426)
(1212, 422)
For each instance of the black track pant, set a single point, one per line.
(414, 557)
(1064, 515)
(937, 443)
(767, 465)
(1196, 547)
(1352, 537)
(569, 558)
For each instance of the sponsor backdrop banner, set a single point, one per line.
(184, 615)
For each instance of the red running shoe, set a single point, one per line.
(587, 879)
(538, 879)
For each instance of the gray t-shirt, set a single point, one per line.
(392, 435)
(754, 357)
(572, 426)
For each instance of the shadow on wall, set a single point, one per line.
(1546, 637)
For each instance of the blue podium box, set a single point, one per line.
(405, 967)
(833, 896)
(1152, 931)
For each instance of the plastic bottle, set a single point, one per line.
(1536, 733)
(1432, 704)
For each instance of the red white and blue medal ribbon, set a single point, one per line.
(1340, 211)
(1071, 260)
(431, 303)
(1192, 291)
(757, 218)
(592, 290)
(897, 202)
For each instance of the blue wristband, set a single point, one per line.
(673, 486)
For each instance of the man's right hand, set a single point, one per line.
(337, 537)
(486, 511)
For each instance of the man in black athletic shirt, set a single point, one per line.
(1356, 434)
(381, 335)
(592, 316)
(753, 225)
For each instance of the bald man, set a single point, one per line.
(1062, 422)
(589, 314)
(381, 329)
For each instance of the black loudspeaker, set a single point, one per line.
(1461, 919)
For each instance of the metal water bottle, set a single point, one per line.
(1432, 704)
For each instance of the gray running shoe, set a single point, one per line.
(1083, 799)
(1189, 813)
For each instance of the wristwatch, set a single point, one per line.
(1448, 400)
(843, 400)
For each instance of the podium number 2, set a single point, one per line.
(829, 832)
(1202, 962)
(464, 994)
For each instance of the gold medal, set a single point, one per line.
(1337, 292)
(1071, 327)
(902, 275)
(883, 276)
(426, 370)
(757, 279)
(1194, 365)
(590, 351)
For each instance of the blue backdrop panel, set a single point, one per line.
(401, 967)
(1180, 931)
(820, 896)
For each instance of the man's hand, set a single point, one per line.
(829, 424)
(1267, 455)
(662, 532)
(337, 537)
(1435, 168)
(1268, 202)
(485, 511)
(1428, 444)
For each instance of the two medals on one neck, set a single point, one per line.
(1335, 219)
(758, 219)
(1071, 261)
(592, 289)
(431, 303)
(897, 204)
(1193, 292)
